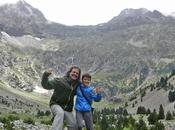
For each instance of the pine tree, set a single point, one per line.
(148, 111)
(141, 125)
(141, 110)
(161, 112)
(169, 116)
(159, 126)
(104, 124)
(131, 120)
(125, 112)
(153, 117)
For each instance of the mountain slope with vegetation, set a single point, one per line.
(131, 56)
(122, 53)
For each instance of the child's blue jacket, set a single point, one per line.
(81, 103)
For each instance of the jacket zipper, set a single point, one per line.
(69, 97)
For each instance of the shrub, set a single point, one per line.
(4, 120)
(29, 121)
(46, 122)
(13, 117)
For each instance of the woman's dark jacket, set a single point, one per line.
(64, 91)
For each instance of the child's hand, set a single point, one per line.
(98, 90)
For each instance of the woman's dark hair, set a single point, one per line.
(74, 67)
(87, 75)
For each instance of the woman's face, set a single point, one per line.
(74, 74)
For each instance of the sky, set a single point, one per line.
(92, 12)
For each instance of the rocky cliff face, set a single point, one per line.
(21, 18)
(130, 47)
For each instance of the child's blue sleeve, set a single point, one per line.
(97, 97)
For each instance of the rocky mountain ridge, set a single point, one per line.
(124, 55)
(123, 52)
(133, 42)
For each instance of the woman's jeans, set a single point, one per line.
(59, 116)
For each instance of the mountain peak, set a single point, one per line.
(22, 2)
(26, 9)
(140, 12)
(22, 15)
(135, 17)
(133, 12)
(22, 9)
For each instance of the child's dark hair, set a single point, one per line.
(86, 75)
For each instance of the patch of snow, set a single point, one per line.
(36, 38)
(5, 34)
(166, 60)
(40, 90)
(11, 39)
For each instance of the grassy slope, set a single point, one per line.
(23, 95)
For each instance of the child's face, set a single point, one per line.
(86, 81)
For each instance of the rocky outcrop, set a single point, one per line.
(125, 48)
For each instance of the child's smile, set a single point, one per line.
(86, 81)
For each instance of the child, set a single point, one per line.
(85, 96)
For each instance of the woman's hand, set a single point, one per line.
(49, 72)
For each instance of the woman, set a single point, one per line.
(62, 100)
